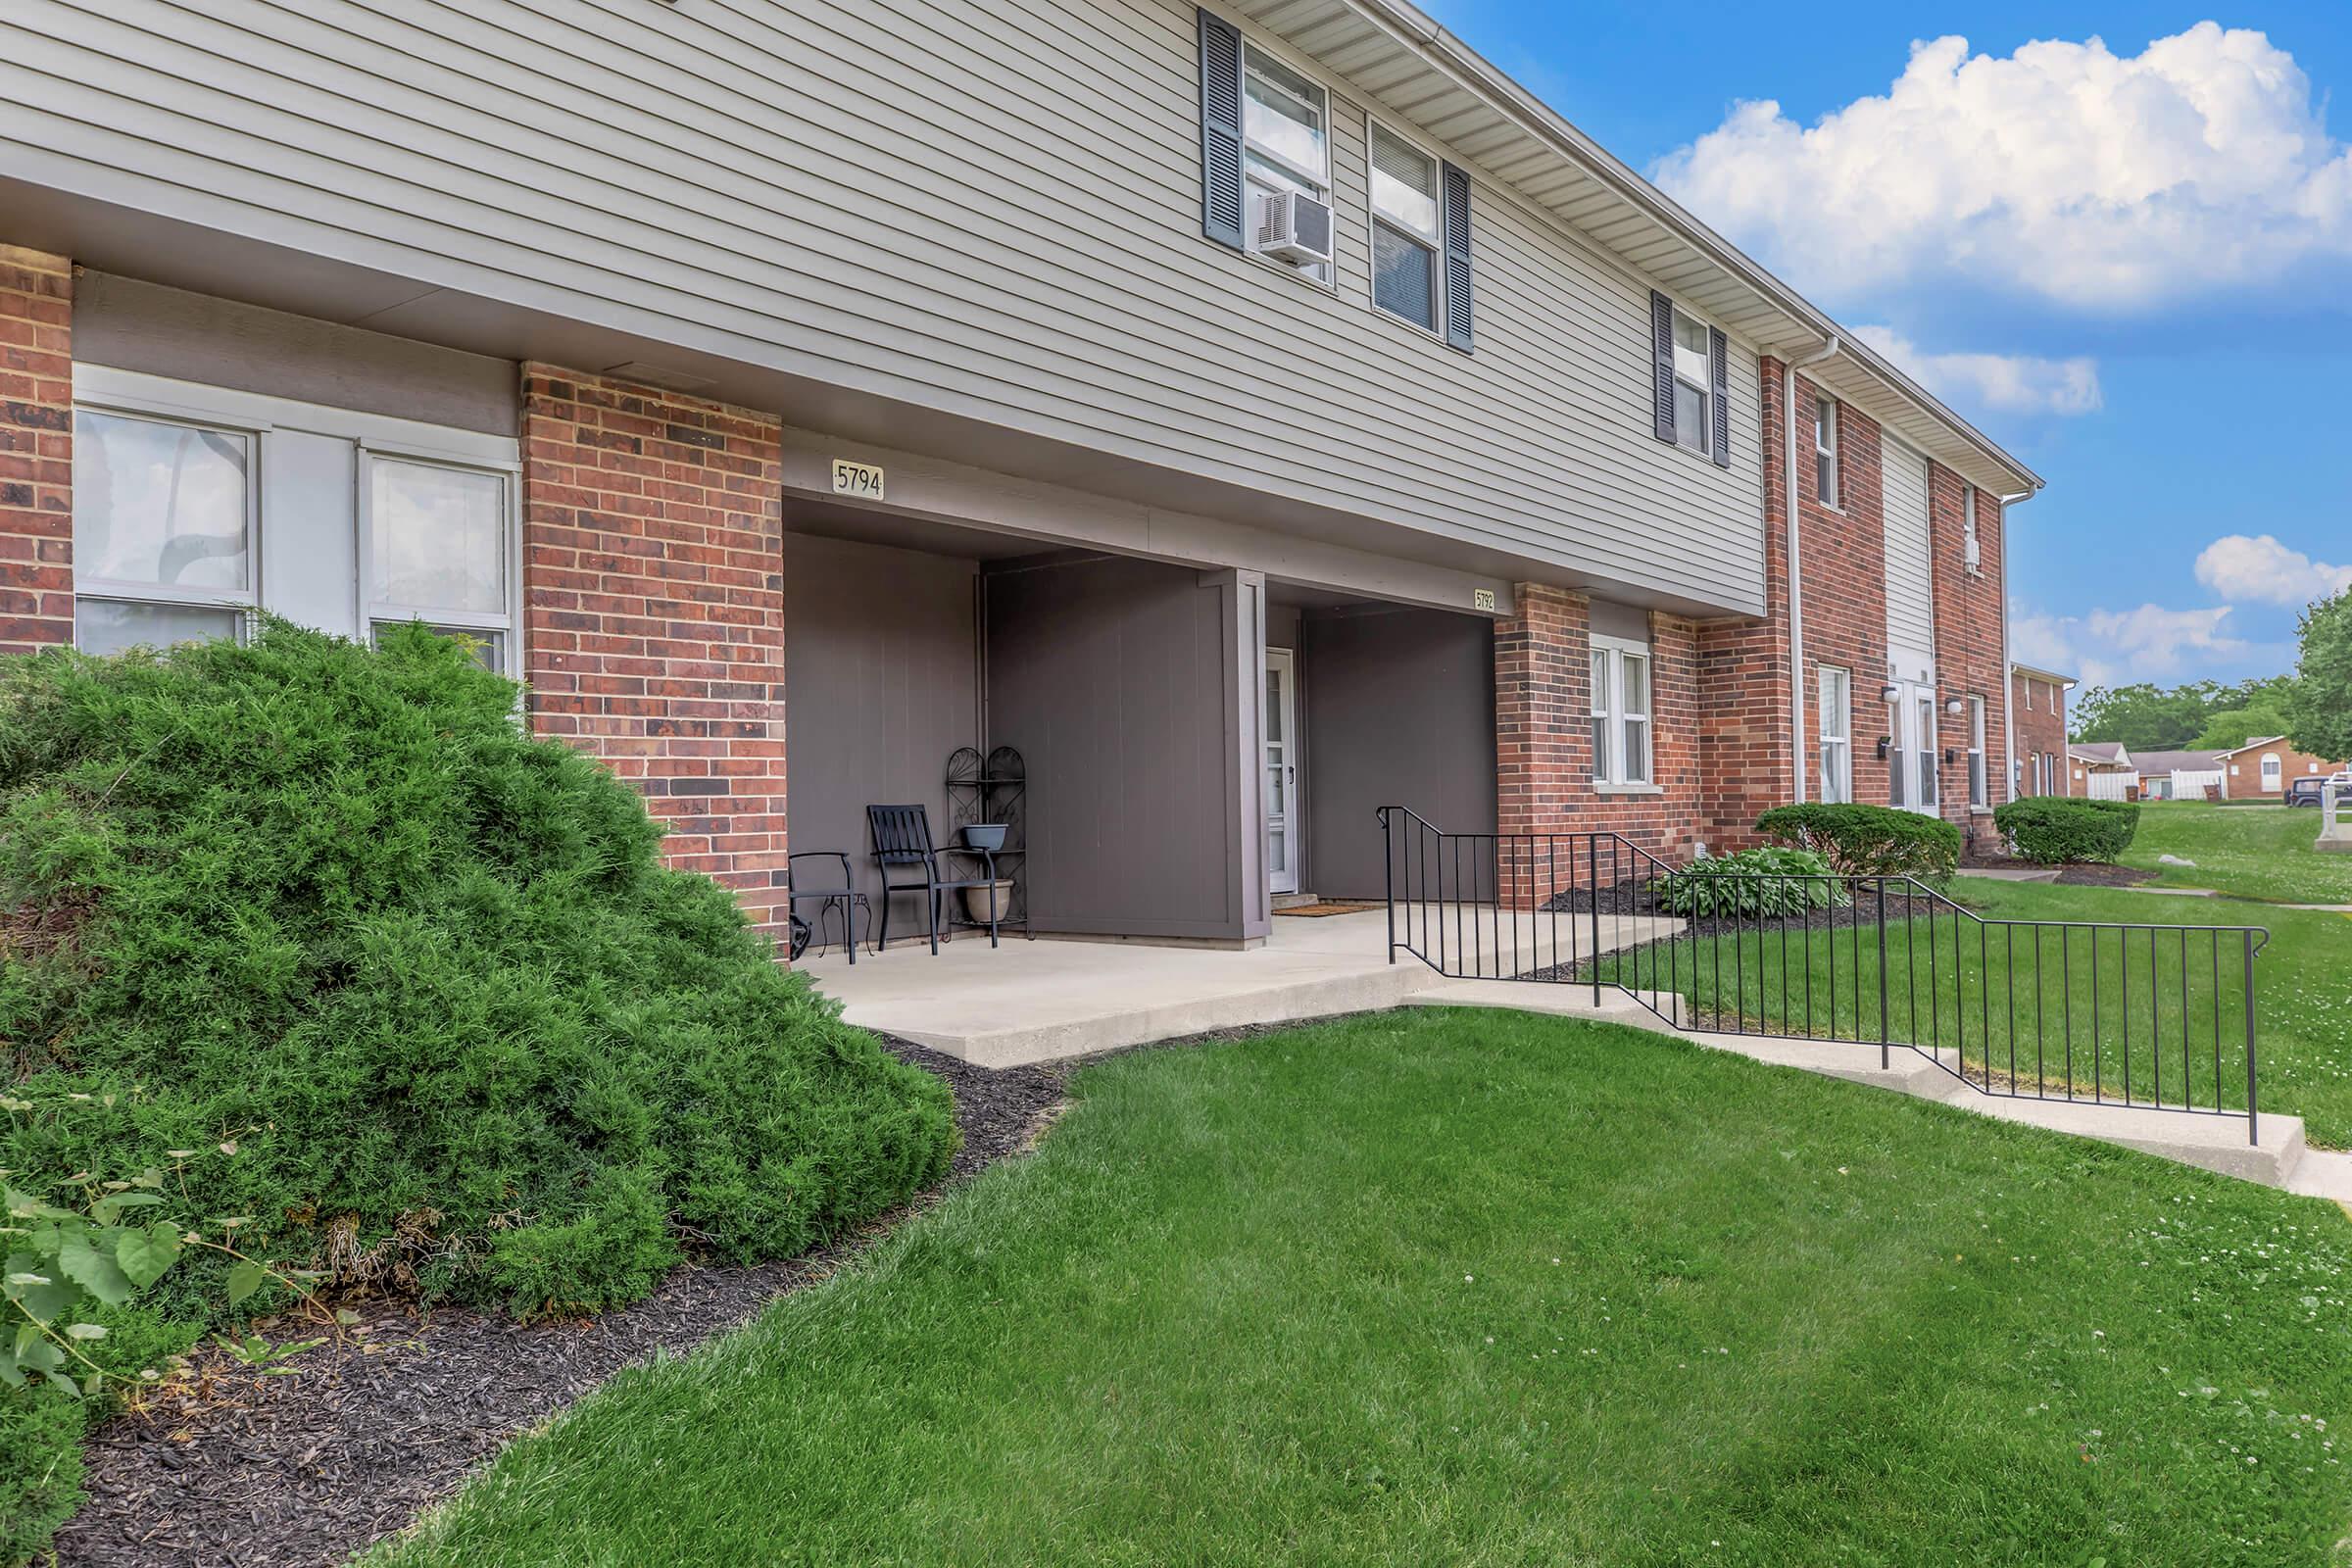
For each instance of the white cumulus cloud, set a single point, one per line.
(2118, 646)
(2262, 569)
(2014, 383)
(2063, 171)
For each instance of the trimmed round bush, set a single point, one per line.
(470, 1037)
(1768, 882)
(2060, 829)
(1867, 840)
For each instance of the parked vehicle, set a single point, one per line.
(2306, 791)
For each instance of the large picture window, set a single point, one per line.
(1621, 713)
(196, 506)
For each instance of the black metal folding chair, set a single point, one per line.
(902, 835)
(828, 897)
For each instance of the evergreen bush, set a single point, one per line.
(471, 1038)
(1867, 840)
(2058, 829)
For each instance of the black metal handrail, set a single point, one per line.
(2141, 1014)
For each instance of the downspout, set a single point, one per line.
(1796, 589)
(2008, 670)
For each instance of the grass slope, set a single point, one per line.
(1445, 1287)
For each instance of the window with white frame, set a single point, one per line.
(196, 506)
(1407, 245)
(1928, 792)
(2273, 770)
(1621, 716)
(164, 513)
(1694, 411)
(1976, 751)
(1970, 554)
(1286, 139)
(1825, 449)
(1837, 735)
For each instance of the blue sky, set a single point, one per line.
(2119, 237)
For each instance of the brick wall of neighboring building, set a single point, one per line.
(37, 449)
(1842, 555)
(1970, 661)
(652, 611)
(2041, 732)
(1543, 737)
(2246, 783)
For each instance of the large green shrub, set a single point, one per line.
(1764, 883)
(1868, 840)
(2057, 829)
(431, 976)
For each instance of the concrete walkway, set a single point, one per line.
(1043, 1000)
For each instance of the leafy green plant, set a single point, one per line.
(1768, 882)
(1867, 840)
(473, 1038)
(2056, 829)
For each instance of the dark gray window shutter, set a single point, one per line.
(1661, 345)
(1456, 223)
(1220, 132)
(1719, 365)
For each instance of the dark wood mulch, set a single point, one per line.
(2104, 876)
(256, 1472)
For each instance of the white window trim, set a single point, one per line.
(1435, 246)
(1836, 500)
(1837, 786)
(1971, 553)
(104, 389)
(1980, 775)
(1251, 44)
(1616, 778)
(1705, 450)
(373, 609)
(124, 590)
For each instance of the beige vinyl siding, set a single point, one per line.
(862, 193)
(1910, 556)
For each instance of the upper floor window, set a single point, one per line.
(1971, 554)
(1825, 449)
(1407, 241)
(1285, 138)
(1691, 390)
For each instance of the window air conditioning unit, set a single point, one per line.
(1975, 556)
(1293, 227)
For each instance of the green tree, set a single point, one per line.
(2144, 717)
(2318, 711)
(2227, 729)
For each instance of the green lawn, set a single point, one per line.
(2170, 1022)
(2252, 851)
(1478, 1288)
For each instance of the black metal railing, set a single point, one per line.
(2141, 1014)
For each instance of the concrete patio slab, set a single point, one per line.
(1045, 1001)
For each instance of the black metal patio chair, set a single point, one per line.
(828, 897)
(902, 835)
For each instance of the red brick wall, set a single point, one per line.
(654, 614)
(2040, 730)
(1968, 646)
(1544, 732)
(37, 449)
(2246, 783)
(1842, 551)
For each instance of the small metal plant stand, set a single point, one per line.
(995, 790)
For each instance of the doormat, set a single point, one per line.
(1317, 910)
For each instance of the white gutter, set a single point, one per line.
(1797, 582)
(2009, 670)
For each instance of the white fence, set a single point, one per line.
(2188, 786)
(2111, 786)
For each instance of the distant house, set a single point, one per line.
(2262, 768)
(2101, 770)
(2037, 707)
(2177, 775)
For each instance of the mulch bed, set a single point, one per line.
(258, 1472)
(2104, 876)
(1631, 898)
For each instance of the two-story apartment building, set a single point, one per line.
(1250, 414)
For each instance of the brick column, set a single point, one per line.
(654, 613)
(1968, 643)
(1542, 727)
(37, 449)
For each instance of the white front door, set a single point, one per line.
(1282, 772)
(1911, 766)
